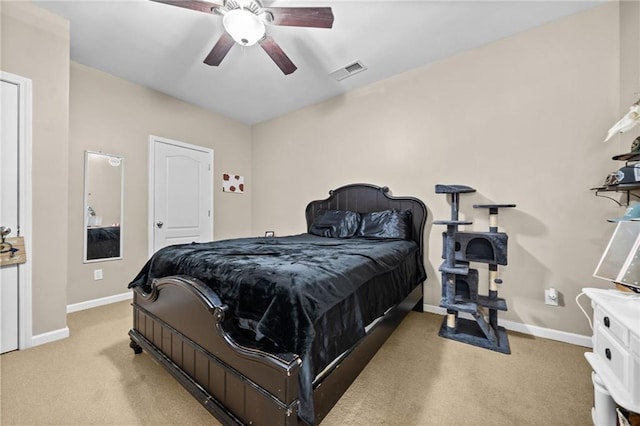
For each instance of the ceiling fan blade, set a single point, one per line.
(317, 17)
(277, 54)
(220, 50)
(200, 6)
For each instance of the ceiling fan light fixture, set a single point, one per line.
(245, 27)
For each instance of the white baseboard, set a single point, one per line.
(534, 330)
(50, 336)
(99, 302)
(63, 333)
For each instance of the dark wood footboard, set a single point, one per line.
(180, 323)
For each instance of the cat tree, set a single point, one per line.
(460, 282)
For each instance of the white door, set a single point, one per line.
(181, 193)
(15, 208)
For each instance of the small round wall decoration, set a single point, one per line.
(232, 183)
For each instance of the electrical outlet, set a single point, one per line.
(551, 296)
(97, 274)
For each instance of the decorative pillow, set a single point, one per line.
(335, 224)
(386, 224)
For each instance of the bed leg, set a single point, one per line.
(137, 349)
(419, 306)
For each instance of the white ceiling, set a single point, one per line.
(162, 47)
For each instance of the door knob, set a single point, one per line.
(4, 231)
(159, 224)
(6, 247)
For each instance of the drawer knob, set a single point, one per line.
(607, 322)
(607, 353)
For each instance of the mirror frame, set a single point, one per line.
(85, 200)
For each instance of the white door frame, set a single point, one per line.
(152, 155)
(25, 331)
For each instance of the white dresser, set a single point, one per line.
(616, 353)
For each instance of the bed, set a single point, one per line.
(271, 331)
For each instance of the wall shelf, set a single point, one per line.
(629, 156)
(624, 188)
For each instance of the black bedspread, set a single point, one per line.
(288, 288)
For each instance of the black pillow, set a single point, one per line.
(335, 224)
(386, 224)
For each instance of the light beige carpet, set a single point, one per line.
(417, 378)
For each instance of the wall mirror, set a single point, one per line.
(103, 206)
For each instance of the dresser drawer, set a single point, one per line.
(615, 327)
(613, 355)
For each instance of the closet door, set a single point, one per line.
(182, 193)
(15, 210)
(9, 274)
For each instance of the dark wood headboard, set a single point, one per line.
(364, 198)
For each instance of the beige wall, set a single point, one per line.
(629, 60)
(521, 120)
(115, 116)
(35, 45)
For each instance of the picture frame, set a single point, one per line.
(232, 183)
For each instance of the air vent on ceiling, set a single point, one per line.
(348, 71)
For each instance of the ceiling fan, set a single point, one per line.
(245, 23)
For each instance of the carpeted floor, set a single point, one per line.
(417, 378)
